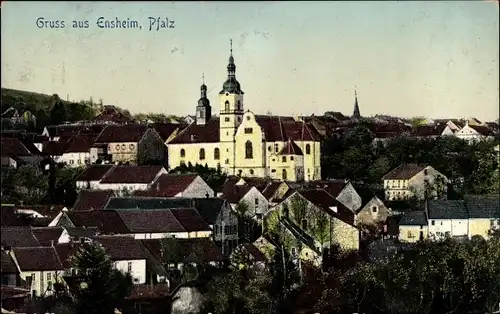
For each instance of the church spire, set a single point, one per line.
(231, 85)
(356, 113)
(203, 110)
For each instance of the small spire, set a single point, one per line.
(231, 46)
(203, 78)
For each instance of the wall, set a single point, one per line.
(345, 235)
(74, 160)
(455, 227)
(367, 216)
(256, 202)
(120, 188)
(138, 272)
(417, 186)
(92, 185)
(255, 166)
(41, 286)
(123, 152)
(412, 233)
(481, 226)
(151, 148)
(181, 235)
(192, 154)
(197, 188)
(350, 198)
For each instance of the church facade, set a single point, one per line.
(244, 144)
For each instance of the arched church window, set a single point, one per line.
(239, 105)
(183, 153)
(216, 153)
(202, 153)
(226, 105)
(308, 149)
(283, 174)
(248, 150)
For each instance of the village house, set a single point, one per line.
(15, 153)
(91, 176)
(242, 143)
(14, 117)
(447, 218)
(245, 197)
(473, 133)
(411, 180)
(275, 192)
(178, 185)
(127, 179)
(92, 199)
(111, 115)
(373, 213)
(66, 131)
(10, 273)
(75, 152)
(413, 226)
(40, 265)
(342, 190)
(184, 251)
(216, 212)
(320, 216)
(134, 144)
(127, 254)
(484, 214)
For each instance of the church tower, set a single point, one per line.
(231, 113)
(203, 110)
(356, 113)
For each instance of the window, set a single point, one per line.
(258, 216)
(71, 161)
(239, 172)
(433, 222)
(33, 277)
(79, 161)
(304, 224)
(87, 161)
(308, 149)
(216, 154)
(239, 119)
(248, 118)
(226, 161)
(202, 154)
(410, 235)
(118, 147)
(251, 172)
(124, 146)
(129, 267)
(283, 174)
(293, 251)
(425, 172)
(256, 201)
(276, 147)
(248, 150)
(226, 105)
(270, 148)
(131, 146)
(283, 159)
(291, 157)
(248, 130)
(226, 119)
(273, 170)
(183, 153)
(374, 209)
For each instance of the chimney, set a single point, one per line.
(52, 243)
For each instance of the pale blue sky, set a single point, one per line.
(437, 59)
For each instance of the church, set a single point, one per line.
(244, 144)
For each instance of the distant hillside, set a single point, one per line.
(20, 99)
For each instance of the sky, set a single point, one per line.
(436, 59)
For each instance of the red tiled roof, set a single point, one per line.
(324, 200)
(92, 199)
(132, 174)
(167, 129)
(94, 172)
(270, 190)
(278, 128)
(210, 251)
(18, 237)
(37, 259)
(80, 144)
(190, 219)
(13, 147)
(259, 183)
(403, 172)
(234, 193)
(55, 148)
(332, 187)
(195, 133)
(65, 251)
(122, 248)
(108, 221)
(291, 148)
(429, 130)
(45, 235)
(150, 221)
(122, 133)
(8, 265)
(483, 130)
(168, 185)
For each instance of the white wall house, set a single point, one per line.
(473, 134)
(125, 183)
(447, 218)
(75, 159)
(197, 188)
(258, 205)
(135, 267)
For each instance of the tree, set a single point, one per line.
(299, 207)
(30, 185)
(58, 114)
(170, 251)
(102, 288)
(320, 226)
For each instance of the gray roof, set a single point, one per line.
(481, 206)
(413, 218)
(208, 208)
(447, 209)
